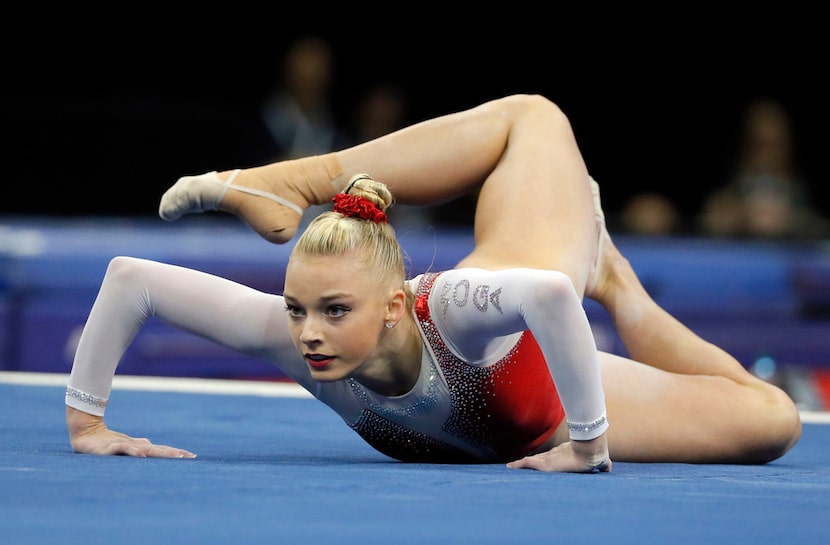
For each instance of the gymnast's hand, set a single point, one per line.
(89, 435)
(570, 457)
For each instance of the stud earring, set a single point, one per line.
(389, 325)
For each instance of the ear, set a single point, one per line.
(396, 307)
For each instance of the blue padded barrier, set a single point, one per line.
(812, 284)
(751, 298)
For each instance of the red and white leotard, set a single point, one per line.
(492, 341)
(457, 412)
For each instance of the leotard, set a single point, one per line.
(493, 342)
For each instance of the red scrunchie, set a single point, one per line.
(360, 207)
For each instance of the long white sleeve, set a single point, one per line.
(475, 308)
(236, 316)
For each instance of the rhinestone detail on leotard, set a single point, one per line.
(421, 406)
(83, 397)
(406, 444)
(587, 426)
(501, 411)
(471, 388)
(504, 409)
(378, 426)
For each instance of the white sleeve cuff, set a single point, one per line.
(85, 402)
(586, 431)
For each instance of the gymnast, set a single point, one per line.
(493, 361)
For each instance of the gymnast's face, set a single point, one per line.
(336, 315)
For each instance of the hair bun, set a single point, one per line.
(356, 178)
(363, 185)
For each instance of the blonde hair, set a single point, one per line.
(336, 234)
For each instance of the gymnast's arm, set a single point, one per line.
(236, 316)
(471, 307)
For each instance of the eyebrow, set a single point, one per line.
(325, 299)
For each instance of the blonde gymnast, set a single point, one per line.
(491, 361)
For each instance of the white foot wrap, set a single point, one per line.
(194, 194)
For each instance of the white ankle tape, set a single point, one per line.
(599, 217)
(598, 212)
(257, 192)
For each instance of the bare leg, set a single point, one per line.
(519, 150)
(688, 400)
(269, 198)
(534, 185)
(428, 163)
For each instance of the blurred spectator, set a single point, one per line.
(766, 197)
(384, 109)
(650, 214)
(298, 114)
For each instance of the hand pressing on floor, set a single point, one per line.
(570, 457)
(89, 435)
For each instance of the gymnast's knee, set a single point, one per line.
(531, 105)
(780, 428)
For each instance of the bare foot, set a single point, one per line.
(270, 199)
(243, 193)
(275, 217)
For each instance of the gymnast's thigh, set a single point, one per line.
(519, 226)
(656, 415)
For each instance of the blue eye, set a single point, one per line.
(294, 311)
(337, 311)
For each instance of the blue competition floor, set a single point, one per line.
(277, 467)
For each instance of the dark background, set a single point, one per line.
(103, 110)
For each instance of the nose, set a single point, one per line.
(310, 333)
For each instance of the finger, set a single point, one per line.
(528, 462)
(124, 448)
(170, 452)
(164, 451)
(145, 449)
